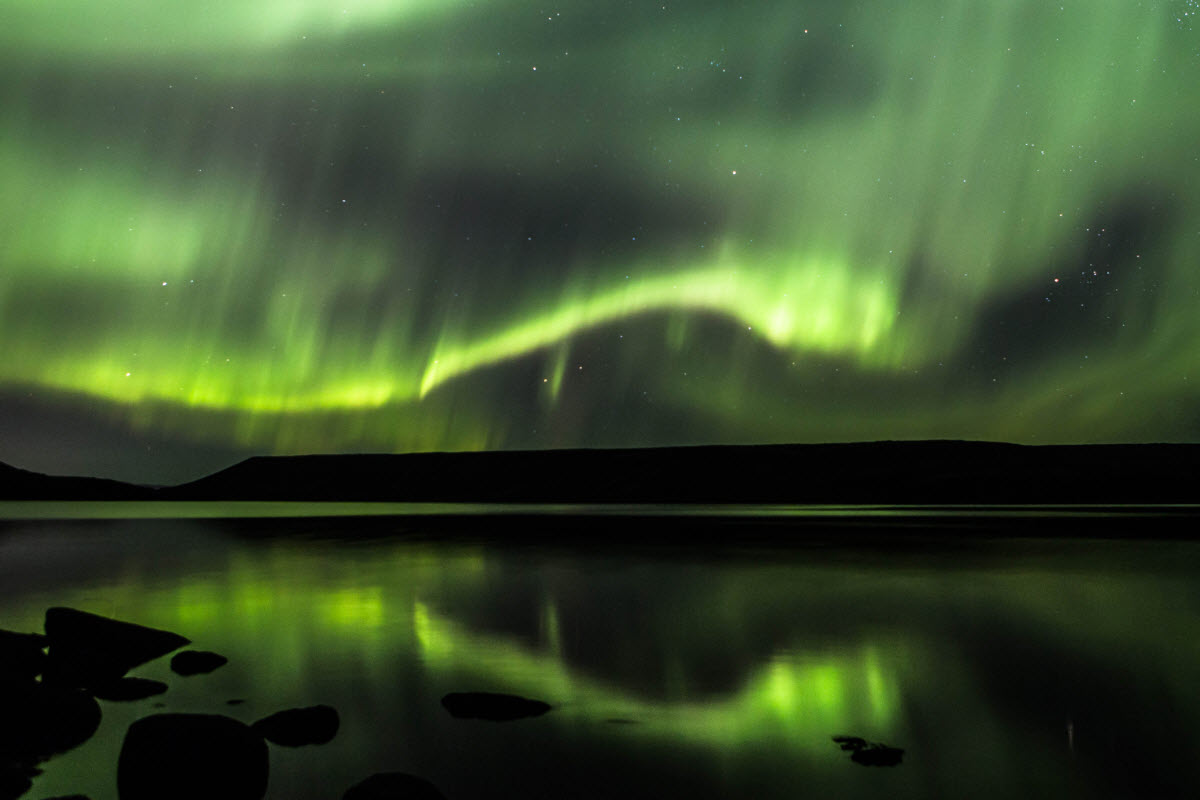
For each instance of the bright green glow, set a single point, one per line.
(813, 304)
(176, 241)
(809, 309)
(141, 29)
(374, 225)
(362, 609)
(799, 698)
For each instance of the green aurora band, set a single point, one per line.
(317, 226)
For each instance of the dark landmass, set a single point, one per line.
(902, 473)
(19, 484)
(876, 472)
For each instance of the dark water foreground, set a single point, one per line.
(680, 656)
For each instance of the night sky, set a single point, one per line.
(292, 226)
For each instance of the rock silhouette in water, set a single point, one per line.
(870, 754)
(14, 782)
(850, 743)
(90, 650)
(16, 779)
(36, 722)
(178, 756)
(393, 786)
(492, 706)
(191, 757)
(40, 720)
(128, 689)
(21, 655)
(196, 662)
(299, 726)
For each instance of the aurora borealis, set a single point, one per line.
(395, 225)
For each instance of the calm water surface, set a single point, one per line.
(717, 664)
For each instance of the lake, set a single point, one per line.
(693, 652)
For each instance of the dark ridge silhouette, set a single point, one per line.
(916, 472)
(932, 472)
(20, 484)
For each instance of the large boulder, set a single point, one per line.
(393, 786)
(15, 779)
(191, 757)
(492, 706)
(88, 649)
(299, 726)
(21, 655)
(39, 720)
(36, 722)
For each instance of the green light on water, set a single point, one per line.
(793, 699)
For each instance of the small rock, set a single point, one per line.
(492, 706)
(393, 786)
(878, 755)
(299, 726)
(196, 662)
(870, 754)
(850, 742)
(127, 689)
(191, 757)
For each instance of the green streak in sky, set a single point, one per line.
(370, 225)
(808, 308)
(139, 30)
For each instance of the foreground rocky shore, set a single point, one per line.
(51, 682)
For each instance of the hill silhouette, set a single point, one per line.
(20, 484)
(923, 472)
(874, 472)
